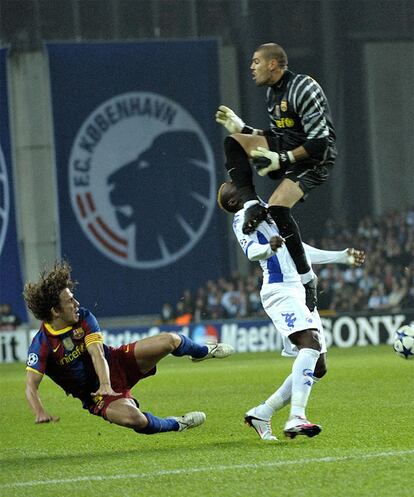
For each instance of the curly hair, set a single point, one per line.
(40, 297)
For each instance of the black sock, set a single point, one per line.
(239, 169)
(289, 230)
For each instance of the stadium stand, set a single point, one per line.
(384, 282)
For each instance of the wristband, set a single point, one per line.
(286, 157)
(247, 130)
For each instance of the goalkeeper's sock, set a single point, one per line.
(158, 425)
(302, 380)
(188, 347)
(289, 230)
(238, 167)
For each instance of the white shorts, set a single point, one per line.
(285, 305)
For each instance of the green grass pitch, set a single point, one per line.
(365, 405)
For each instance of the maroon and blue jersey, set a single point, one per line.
(62, 355)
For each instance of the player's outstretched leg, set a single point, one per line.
(172, 423)
(214, 351)
(124, 412)
(189, 420)
(149, 351)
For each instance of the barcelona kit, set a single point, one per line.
(62, 355)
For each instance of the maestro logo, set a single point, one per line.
(4, 201)
(142, 180)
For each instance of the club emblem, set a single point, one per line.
(68, 344)
(121, 168)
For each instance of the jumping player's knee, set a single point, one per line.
(233, 147)
(281, 215)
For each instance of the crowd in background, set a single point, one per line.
(8, 319)
(384, 283)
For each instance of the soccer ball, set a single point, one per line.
(404, 342)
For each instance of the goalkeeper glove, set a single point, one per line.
(266, 161)
(231, 121)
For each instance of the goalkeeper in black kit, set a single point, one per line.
(298, 147)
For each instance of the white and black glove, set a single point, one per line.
(266, 161)
(231, 121)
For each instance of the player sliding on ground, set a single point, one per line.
(283, 299)
(69, 349)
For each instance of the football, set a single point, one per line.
(404, 342)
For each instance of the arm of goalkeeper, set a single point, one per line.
(266, 161)
(232, 122)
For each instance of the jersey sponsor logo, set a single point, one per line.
(283, 105)
(68, 358)
(289, 318)
(4, 200)
(78, 333)
(32, 359)
(127, 156)
(285, 122)
(68, 344)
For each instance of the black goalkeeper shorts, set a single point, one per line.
(309, 173)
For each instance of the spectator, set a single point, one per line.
(167, 313)
(386, 282)
(182, 317)
(8, 320)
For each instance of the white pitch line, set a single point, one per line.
(167, 472)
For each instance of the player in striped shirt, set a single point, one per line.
(298, 147)
(283, 299)
(69, 349)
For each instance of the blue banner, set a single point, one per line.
(10, 273)
(346, 330)
(137, 149)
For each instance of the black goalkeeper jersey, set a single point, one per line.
(299, 111)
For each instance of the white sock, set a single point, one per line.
(306, 277)
(302, 380)
(280, 398)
